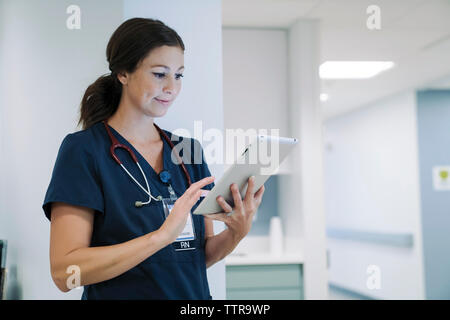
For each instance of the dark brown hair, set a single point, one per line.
(132, 41)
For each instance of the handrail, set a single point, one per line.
(383, 238)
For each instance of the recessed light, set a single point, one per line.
(353, 69)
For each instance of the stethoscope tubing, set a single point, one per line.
(116, 144)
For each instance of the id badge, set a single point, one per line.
(185, 240)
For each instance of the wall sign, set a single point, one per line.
(441, 178)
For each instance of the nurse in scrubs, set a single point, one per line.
(100, 237)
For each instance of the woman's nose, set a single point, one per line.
(169, 86)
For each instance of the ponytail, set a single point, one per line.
(100, 101)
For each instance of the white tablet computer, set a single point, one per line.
(261, 158)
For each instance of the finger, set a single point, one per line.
(199, 194)
(236, 197)
(199, 184)
(203, 182)
(225, 206)
(259, 194)
(192, 199)
(217, 216)
(250, 187)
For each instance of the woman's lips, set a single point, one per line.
(163, 102)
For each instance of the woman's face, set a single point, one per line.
(156, 82)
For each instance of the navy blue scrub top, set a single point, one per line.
(86, 175)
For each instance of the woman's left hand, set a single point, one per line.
(240, 221)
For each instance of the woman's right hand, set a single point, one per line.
(177, 218)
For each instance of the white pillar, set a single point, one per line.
(306, 185)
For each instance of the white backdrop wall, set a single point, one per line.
(45, 69)
(255, 79)
(372, 184)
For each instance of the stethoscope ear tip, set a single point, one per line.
(138, 204)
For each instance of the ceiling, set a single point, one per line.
(415, 34)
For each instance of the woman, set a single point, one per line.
(117, 246)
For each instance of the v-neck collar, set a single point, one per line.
(138, 154)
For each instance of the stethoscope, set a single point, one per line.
(164, 175)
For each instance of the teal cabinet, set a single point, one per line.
(265, 282)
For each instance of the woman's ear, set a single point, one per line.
(123, 78)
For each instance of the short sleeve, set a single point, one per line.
(75, 178)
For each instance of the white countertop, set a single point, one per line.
(263, 258)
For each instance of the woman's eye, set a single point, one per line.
(162, 75)
(159, 75)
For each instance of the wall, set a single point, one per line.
(45, 71)
(433, 112)
(44, 83)
(2, 103)
(255, 79)
(372, 184)
(255, 96)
